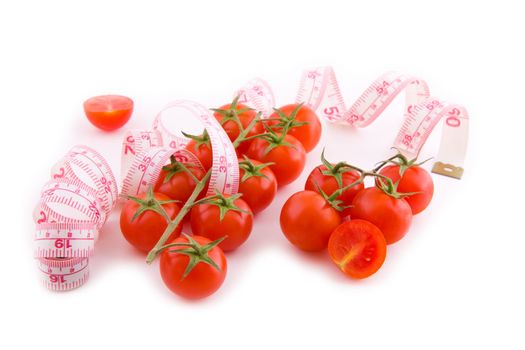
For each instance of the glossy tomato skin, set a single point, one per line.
(203, 152)
(307, 220)
(145, 231)
(358, 248)
(289, 161)
(258, 191)
(108, 112)
(205, 221)
(329, 185)
(180, 185)
(308, 134)
(232, 129)
(415, 179)
(202, 281)
(392, 216)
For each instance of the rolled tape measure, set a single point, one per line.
(144, 153)
(72, 208)
(319, 90)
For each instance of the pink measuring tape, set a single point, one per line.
(72, 208)
(319, 90)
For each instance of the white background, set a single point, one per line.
(455, 281)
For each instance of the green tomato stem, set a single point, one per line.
(173, 224)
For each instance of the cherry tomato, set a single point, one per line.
(328, 184)
(108, 112)
(176, 183)
(145, 230)
(200, 146)
(307, 220)
(288, 160)
(203, 280)
(258, 184)
(358, 248)
(308, 134)
(415, 179)
(236, 224)
(392, 216)
(227, 116)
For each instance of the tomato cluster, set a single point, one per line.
(355, 223)
(271, 152)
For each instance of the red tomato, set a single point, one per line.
(236, 225)
(108, 112)
(392, 216)
(329, 185)
(307, 220)
(227, 116)
(415, 179)
(308, 134)
(145, 230)
(288, 161)
(358, 248)
(203, 279)
(200, 146)
(176, 183)
(258, 184)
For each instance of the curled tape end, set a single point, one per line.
(448, 170)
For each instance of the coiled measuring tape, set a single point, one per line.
(144, 153)
(72, 208)
(319, 90)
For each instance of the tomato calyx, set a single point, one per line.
(176, 167)
(196, 252)
(389, 187)
(252, 170)
(224, 203)
(200, 140)
(402, 161)
(287, 122)
(152, 204)
(274, 140)
(336, 170)
(232, 113)
(385, 184)
(332, 199)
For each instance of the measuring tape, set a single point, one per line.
(72, 208)
(319, 90)
(144, 153)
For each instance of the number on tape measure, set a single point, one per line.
(58, 240)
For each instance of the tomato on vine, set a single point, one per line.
(235, 117)
(285, 152)
(411, 178)
(330, 177)
(200, 146)
(221, 216)
(307, 220)
(257, 184)
(144, 219)
(177, 180)
(300, 121)
(193, 267)
(388, 211)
